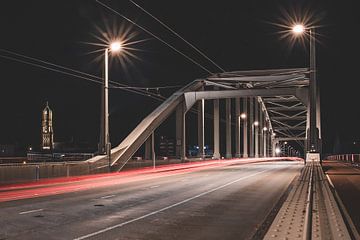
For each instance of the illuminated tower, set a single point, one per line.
(47, 129)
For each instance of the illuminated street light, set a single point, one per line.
(265, 129)
(113, 47)
(116, 46)
(243, 116)
(298, 29)
(277, 150)
(256, 123)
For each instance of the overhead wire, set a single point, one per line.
(120, 85)
(85, 76)
(178, 35)
(155, 36)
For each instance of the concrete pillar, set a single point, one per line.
(201, 122)
(216, 130)
(148, 153)
(256, 118)
(237, 128)
(265, 134)
(251, 127)
(261, 131)
(275, 144)
(153, 148)
(150, 147)
(245, 127)
(228, 127)
(180, 132)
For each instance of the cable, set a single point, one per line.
(120, 86)
(87, 74)
(153, 35)
(176, 34)
(137, 90)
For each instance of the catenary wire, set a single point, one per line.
(178, 35)
(153, 35)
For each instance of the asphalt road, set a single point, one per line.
(346, 180)
(214, 202)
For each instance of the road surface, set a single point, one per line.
(213, 202)
(346, 180)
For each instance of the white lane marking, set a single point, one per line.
(330, 180)
(31, 211)
(154, 186)
(168, 207)
(108, 196)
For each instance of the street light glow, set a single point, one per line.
(277, 150)
(265, 128)
(256, 123)
(243, 116)
(116, 46)
(298, 29)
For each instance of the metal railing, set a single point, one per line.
(349, 158)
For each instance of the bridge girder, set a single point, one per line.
(273, 88)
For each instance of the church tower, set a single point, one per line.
(47, 129)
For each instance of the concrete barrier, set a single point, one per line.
(16, 173)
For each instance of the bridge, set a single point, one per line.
(250, 193)
(270, 106)
(249, 188)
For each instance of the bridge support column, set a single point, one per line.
(261, 131)
(237, 128)
(256, 127)
(201, 122)
(180, 132)
(228, 127)
(245, 127)
(147, 155)
(150, 148)
(265, 137)
(216, 130)
(275, 144)
(251, 122)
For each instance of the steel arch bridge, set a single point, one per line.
(276, 102)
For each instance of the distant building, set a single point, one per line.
(47, 133)
(166, 147)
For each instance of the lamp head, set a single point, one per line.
(298, 29)
(115, 46)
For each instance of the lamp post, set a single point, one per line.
(313, 145)
(113, 48)
(255, 137)
(264, 130)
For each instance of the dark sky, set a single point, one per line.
(238, 35)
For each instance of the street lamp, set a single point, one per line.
(264, 130)
(314, 143)
(243, 116)
(114, 47)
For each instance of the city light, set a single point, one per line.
(265, 129)
(116, 46)
(277, 150)
(298, 29)
(243, 116)
(256, 123)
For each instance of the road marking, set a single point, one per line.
(168, 207)
(154, 186)
(330, 180)
(31, 211)
(108, 196)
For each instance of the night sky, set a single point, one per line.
(237, 35)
